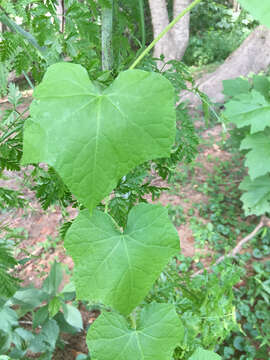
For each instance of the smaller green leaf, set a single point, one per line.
(239, 343)
(260, 10)
(8, 318)
(234, 87)
(158, 332)
(28, 299)
(69, 288)
(53, 281)
(54, 306)
(46, 339)
(262, 85)
(64, 326)
(73, 316)
(201, 354)
(40, 316)
(258, 158)
(250, 109)
(256, 199)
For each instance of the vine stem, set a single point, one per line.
(132, 317)
(16, 28)
(106, 37)
(164, 32)
(142, 19)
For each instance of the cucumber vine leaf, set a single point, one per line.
(158, 332)
(92, 138)
(119, 268)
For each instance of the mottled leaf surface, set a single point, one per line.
(256, 199)
(91, 137)
(258, 158)
(158, 332)
(115, 268)
(260, 10)
(249, 109)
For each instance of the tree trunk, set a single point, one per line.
(252, 56)
(174, 43)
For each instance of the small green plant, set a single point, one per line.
(205, 303)
(216, 30)
(252, 299)
(49, 315)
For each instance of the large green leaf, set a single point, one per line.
(157, 334)
(115, 268)
(249, 109)
(256, 199)
(259, 9)
(258, 158)
(201, 354)
(93, 138)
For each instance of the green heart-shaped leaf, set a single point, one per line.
(93, 138)
(259, 9)
(118, 269)
(157, 334)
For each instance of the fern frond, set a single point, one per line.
(8, 284)
(10, 154)
(9, 46)
(10, 199)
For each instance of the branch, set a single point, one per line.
(264, 221)
(16, 28)
(142, 19)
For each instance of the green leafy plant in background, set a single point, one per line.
(252, 299)
(216, 30)
(8, 284)
(205, 303)
(249, 109)
(49, 313)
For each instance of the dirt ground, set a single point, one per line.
(40, 228)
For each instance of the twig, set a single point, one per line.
(264, 221)
(24, 322)
(164, 32)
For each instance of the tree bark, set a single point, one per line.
(252, 56)
(174, 43)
